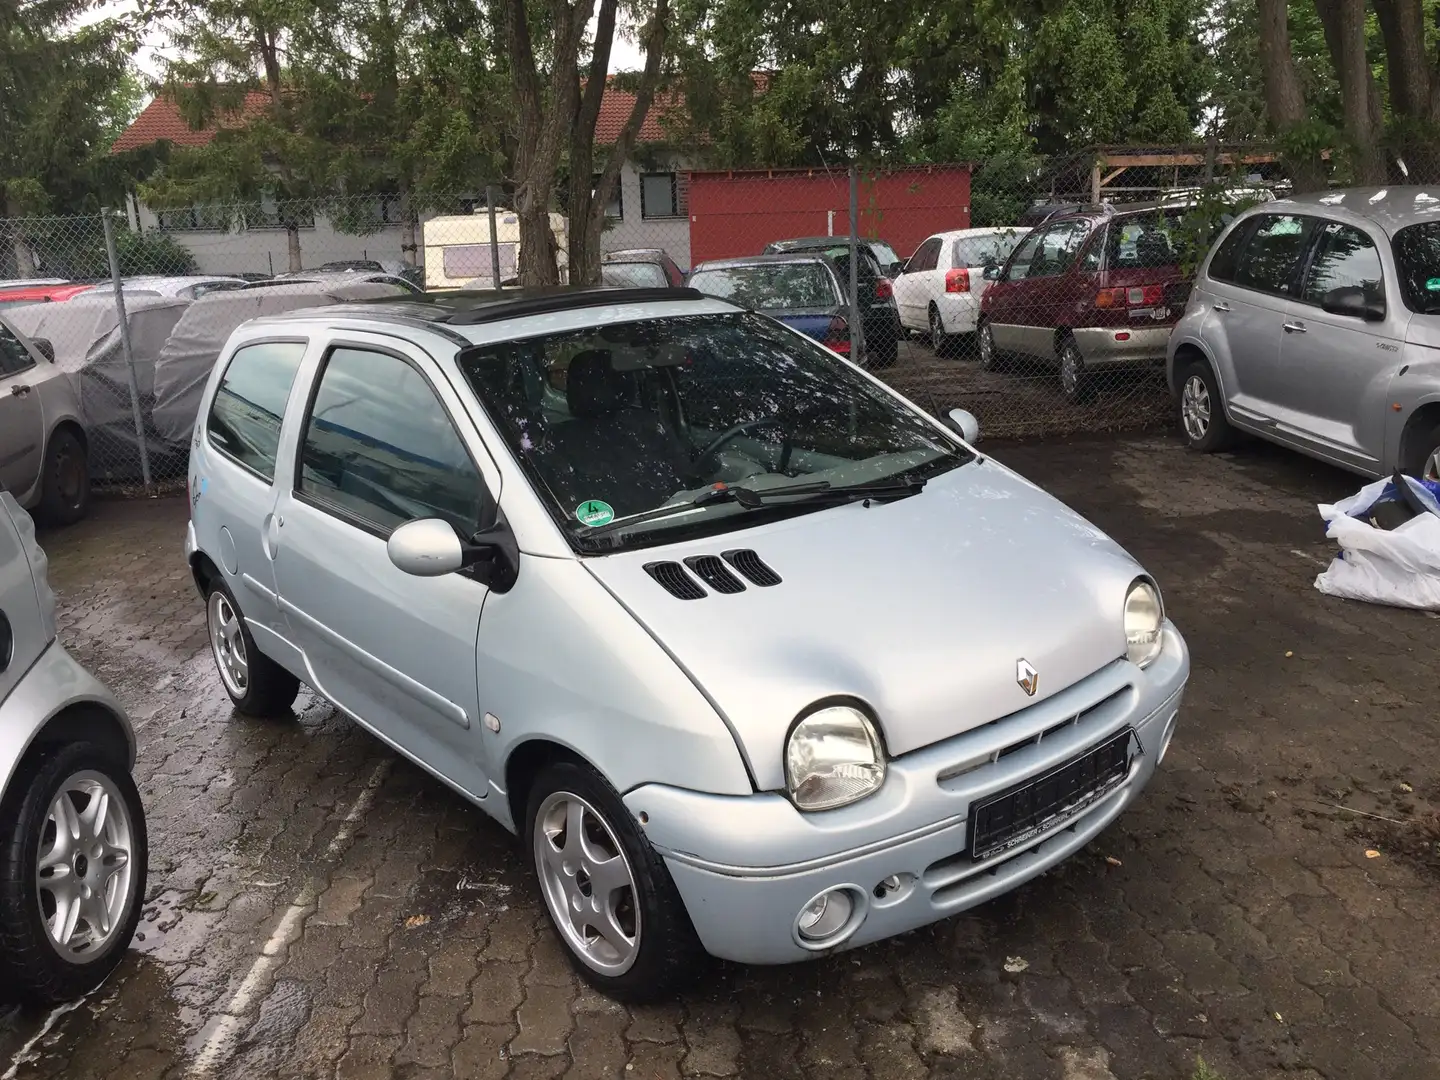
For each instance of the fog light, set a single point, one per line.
(826, 915)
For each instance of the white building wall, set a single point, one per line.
(636, 231)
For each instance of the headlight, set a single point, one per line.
(1143, 616)
(833, 757)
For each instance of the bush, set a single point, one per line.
(152, 253)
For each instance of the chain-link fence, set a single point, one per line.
(1039, 295)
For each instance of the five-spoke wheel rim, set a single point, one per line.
(588, 883)
(228, 644)
(83, 868)
(1195, 408)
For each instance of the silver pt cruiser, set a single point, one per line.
(759, 659)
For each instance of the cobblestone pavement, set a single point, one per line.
(319, 908)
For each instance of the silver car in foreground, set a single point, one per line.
(42, 440)
(759, 659)
(1314, 323)
(72, 828)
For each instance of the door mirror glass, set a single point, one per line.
(1352, 301)
(965, 423)
(992, 272)
(426, 548)
(44, 348)
(896, 269)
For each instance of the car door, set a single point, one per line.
(385, 440)
(1250, 289)
(22, 629)
(1339, 367)
(1038, 297)
(22, 419)
(913, 287)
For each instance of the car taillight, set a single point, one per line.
(837, 335)
(1131, 296)
(957, 280)
(883, 289)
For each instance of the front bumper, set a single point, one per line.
(1122, 346)
(746, 866)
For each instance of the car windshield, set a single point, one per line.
(772, 286)
(634, 275)
(617, 421)
(990, 250)
(1145, 241)
(1417, 258)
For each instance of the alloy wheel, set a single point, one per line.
(987, 348)
(1195, 410)
(1432, 465)
(83, 869)
(1070, 369)
(228, 644)
(588, 883)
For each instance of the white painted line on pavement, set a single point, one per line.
(233, 1019)
(23, 1056)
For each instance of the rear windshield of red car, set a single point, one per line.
(1144, 241)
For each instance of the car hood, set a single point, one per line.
(920, 608)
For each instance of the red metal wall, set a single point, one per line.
(738, 213)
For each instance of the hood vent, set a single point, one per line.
(673, 578)
(713, 572)
(752, 567)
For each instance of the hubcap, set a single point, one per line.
(1195, 410)
(588, 884)
(987, 348)
(228, 645)
(83, 871)
(1069, 369)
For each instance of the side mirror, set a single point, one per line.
(1351, 301)
(44, 348)
(965, 423)
(991, 272)
(896, 269)
(431, 547)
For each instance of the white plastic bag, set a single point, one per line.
(1399, 567)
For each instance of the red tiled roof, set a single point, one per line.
(161, 119)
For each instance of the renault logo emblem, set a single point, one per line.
(1027, 676)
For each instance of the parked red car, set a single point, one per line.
(39, 294)
(1091, 291)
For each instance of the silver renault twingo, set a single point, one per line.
(758, 658)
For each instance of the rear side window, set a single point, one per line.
(1344, 256)
(249, 406)
(14, 357)
(380, 448)
(1222, 266)
(1268, 261)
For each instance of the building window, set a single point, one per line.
(615, 208)
(268, 214)
(390, 210)
(660, 196)
(194, 219)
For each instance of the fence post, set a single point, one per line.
(854, 282)
(494, 240)
(125, 345)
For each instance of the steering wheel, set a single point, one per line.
(726, 437)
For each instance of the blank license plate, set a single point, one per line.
(1020, 813)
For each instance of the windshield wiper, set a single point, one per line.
(753, 499)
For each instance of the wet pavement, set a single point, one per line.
(320, 908)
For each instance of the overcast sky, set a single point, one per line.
(624, 56)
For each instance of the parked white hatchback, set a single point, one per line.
(759, 658)
(939, 289)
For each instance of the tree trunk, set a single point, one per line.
(1344, 23)
(408, 250)
(1284, 99)
(1402, 25)
(24, 257)
(292, 242)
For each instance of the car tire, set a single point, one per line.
(886, 351)
(256, 684)
(988, 356)
(1075, 381)
(65, 483)
(39, 964)
(1203, 423)
(1425, 459)
(940, 341)
(655, 951)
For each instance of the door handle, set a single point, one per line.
(1294, 328)
(19, 391)
(1221, 305)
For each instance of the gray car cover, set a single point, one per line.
(185, 362)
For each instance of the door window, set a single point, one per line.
(380, 448)
(1343, 256)
(926, 256)
(1055, 250)
(245, 418)
(1023, 257)
(1268, 262)
(14, 357)
(1225, 261)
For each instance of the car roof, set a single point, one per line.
(634, 255)
(822, 241)
(979, 234)
(779, 258)
(1392, 208)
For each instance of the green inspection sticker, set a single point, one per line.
(593, 512)
(1432, 284)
